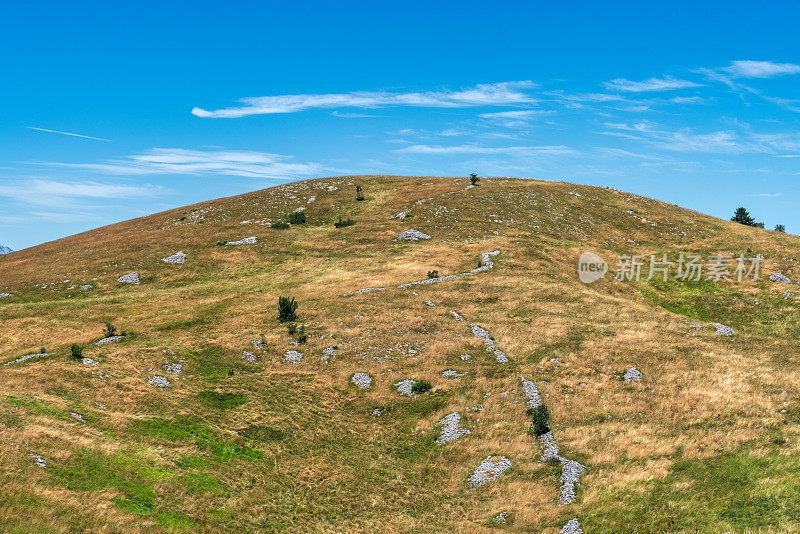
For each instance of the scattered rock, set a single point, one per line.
(451, 428)
(178, 257)
(632, 374)
(500, 519)
(362, 380)
(89, 361)
(572, 527)
(401, 215)
(779, 278)
(78, 417)
(293, 356)
(452, 373)
(4, 295)
(130, 278)
(246, 241)
(466, 357)
(489, 470)
(159, 381)
(173, 368)
(39, 460)
(723, 330)
(404, 387)
(377, 411)
(85, 287)
(429, 303)
(531, 392)
(249, 356)
(110, 339)
(411, 235)
(327, 353)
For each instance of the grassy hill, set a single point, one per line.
(245, 440)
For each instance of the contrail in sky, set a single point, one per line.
(67, 133)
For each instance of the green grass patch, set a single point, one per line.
(222, 401)
(202, 483)
(174, 520)
(189, 429)
(262, 433)
(724, 493)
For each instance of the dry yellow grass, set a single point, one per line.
(705, 400)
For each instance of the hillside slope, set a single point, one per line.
(259, 431)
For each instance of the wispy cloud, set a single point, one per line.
(514, 119)
(478, 149)
(51, 192)
(481, 95)
(760, 69)
(653, 84)
(345, 115)
(68, 133)
(246, 163)
(687, 100)
(745, 140)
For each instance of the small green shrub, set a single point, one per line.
(541, 420)
(342, 223)
(433, 274)
(111, 330)
(286, 309)
(780, 228)
(421, 386)
(221, 243)
(76, 351)
(473, 179)
(280, 225)
(292, 328)
(297, 217)
(42, 350)
(302, 337)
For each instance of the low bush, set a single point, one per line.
(76, 351)
(541, 420)
(421, 386)
(297, 217)
(111, 330)
(433, 274)
(342, 223)
(280, 225)
(287, 308)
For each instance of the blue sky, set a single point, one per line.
(692, 103)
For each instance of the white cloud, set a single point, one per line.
(687, 100)
(760, 69)
(50, 192)
(68, 133)
(477, 149)
(345, 115)
(653, 84)
(481, 95)
(225, 162)
(514, 119)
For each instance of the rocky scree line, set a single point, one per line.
(486, 264)
(29, 357)
(780, 278)
(489, 342)
(109, 339)
(246, 241)
(570, 469)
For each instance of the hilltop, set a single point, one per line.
(204, 412)
(4, 249)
